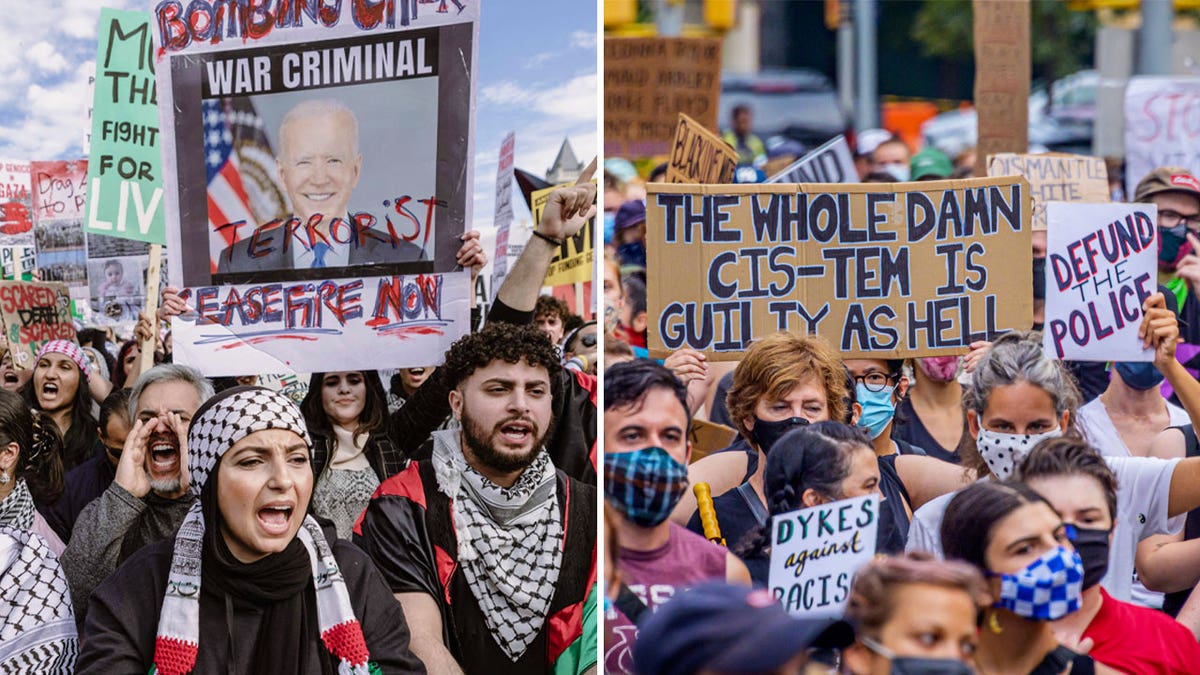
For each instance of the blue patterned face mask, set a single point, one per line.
(1050, 588)
(644, 484)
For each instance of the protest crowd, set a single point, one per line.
(810, 468)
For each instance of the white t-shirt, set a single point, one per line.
(1098, 428)
(1143, 491)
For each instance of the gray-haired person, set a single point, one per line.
(148, 498)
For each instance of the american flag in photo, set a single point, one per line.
(228, 201)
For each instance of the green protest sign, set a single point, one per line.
(125, 194)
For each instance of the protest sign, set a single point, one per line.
(1002, 73)
(816, 551)
(125, 172)
(830, 163)
(277, 327)
(17, 262)
(889, 270)
(504, 212)
(59, 197)
(116, 271)
(1054, 176)
(708, 437)
(1101, 265)
(574, 262)
(648, 81)
(1160, 127)
(699, 156)
(385, 92)
(34, 314)
(16, 203)
(382, 95)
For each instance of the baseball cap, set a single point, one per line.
(631, 213)
(869, 139)
(1167, 179)
(929, 163)
(722, 627)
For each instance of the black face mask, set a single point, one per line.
(1092, 547)
(1039, 278)
(765, 433)
(908, 665)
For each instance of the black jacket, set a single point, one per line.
(123, 614)
(385, 458)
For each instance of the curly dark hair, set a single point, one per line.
(40, 461)
(548, 304)
(506, 342)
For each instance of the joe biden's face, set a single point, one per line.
(319, 164)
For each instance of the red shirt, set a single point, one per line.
(1134, 639)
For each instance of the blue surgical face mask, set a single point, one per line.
(610, 226)
(645, 485)
(1140, 375)
(1050, 588)
(877, 409)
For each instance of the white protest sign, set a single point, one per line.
(1101, 263)
(1160, 126)
(815, 553)
(830, 163)
(352, 324)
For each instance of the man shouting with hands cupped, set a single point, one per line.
(149, 495)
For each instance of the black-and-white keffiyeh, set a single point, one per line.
(509, 541)
(37, 624)
(16, 510)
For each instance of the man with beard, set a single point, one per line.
(489, 548)
(646, 451)
(149, 496)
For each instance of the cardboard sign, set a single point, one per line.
(574, 262)
(709, 437)
(34, 314)
(1101, 265)
(1054, 176)
(1160, 128)
(650, 80)
(382, 94)
(699, 156)
(815, 553)
(349, 323)
(125, 172)
(1002, 74)
(892, 270)
(830, 163)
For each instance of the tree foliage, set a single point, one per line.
(1062, 41)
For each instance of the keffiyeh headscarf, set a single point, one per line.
(17, 509)
(509, 541)
(68, 349)
(218, 425)
(37, 625)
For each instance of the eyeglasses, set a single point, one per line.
(1178, 224)
(876, 381)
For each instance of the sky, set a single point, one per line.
(537, 76)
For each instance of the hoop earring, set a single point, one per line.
(994, 623)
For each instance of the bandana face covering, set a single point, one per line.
(644, 484)
(1003, 452)
(1171, 249)
(1050, 588)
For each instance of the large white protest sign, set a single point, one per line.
(830, 163)
(1161, 128)
(815, 553)
(1101, 265)
(348, 323)
(304, 142)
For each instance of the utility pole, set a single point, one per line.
(867, 115)
(1154, 37)
(845, 60)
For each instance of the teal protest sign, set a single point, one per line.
(125, 194)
